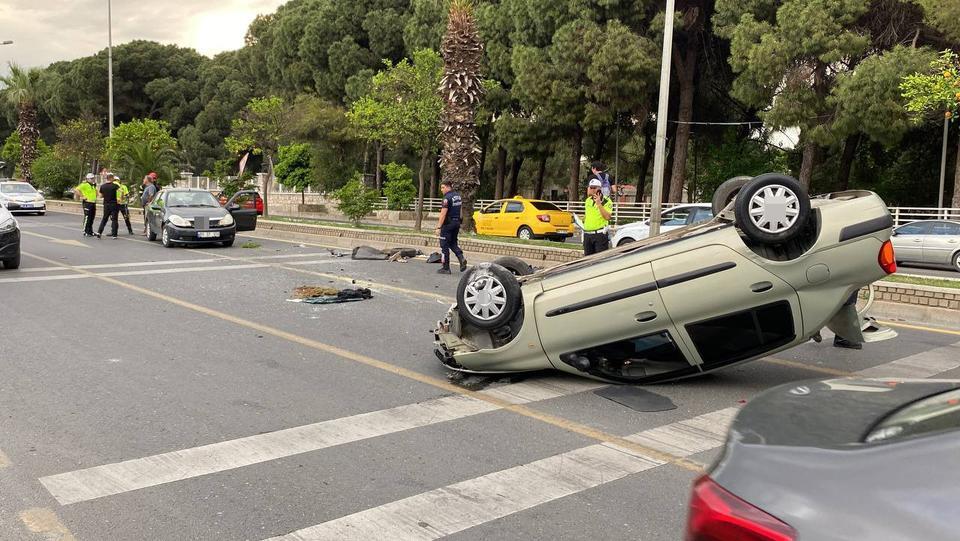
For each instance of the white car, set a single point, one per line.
(670, 219)
(18, 196)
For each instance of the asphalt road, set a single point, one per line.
(152, 393)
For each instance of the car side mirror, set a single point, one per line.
(894, 233)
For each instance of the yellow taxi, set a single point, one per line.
(525, 219)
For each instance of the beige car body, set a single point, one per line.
(686, 276)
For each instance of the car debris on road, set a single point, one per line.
(329, 295)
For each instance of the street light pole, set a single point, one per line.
(110, 61)
(662, 110)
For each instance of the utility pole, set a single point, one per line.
(110, 61)
(616, 175)
(659, 160)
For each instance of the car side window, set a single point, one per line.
(493, 208)
(946, 228)
(514, 207)
(915, 229)
(631, 359)
(700, 215)
(675, 217)
(737, 336)
(953, 229)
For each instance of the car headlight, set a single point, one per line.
(8, 225)
(179, 221)
(227, 220)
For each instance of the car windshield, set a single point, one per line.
(938, 413)
(191, 199)
(17, 188)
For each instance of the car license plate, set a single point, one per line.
(208, 234)
(26, 205)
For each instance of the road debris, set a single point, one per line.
(329, 295)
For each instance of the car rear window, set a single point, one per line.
(543, 205)
(932, 415)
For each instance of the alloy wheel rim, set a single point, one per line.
(774, 209)
(485, 298)
(524, 234)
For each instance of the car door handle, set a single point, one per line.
(644, 317)
(917, 240)
(760, 287)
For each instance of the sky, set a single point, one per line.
(45, 31)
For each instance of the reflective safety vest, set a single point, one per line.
(88, 192)
(592, 219)
(122, 193)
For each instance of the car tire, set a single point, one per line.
(625, 240)
(524, 233)
(488, 296)
(726, 192)
(227, 243)
(772, 209)
(151, 234)
(165, 238)
(12, 263)
(515, 265)
(41, 213)
(956, 261)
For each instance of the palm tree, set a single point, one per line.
(21, 88)
(141, 158)
(462, 90)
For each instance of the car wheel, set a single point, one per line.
(726, 192)
(488, 296)
(165, 238)
(772, 209)
(12, 263)
(227, 243)
(624, 241)
(151, 234)
(956, 261)
(524, 233)
(515, 265)
(41, 213)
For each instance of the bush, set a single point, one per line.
(55, 175)
(399, 187)
(356, 201)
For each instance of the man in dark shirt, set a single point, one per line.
(449, 228)
(111, 208)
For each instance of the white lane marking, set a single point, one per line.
(43, 278)
(457, 507)
(116, 478)
(126, 265)
(921, 365)
(4, 460)
(133, 273)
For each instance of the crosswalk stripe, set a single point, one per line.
(921, 365)
(120, 477)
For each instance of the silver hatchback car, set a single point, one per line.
(930, 242)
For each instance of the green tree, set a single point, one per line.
(80, 140)
(403, 110)
(133, 135)
(334, 145)
(263, 125)
(10, 152)
(944, 15)
(937, 92)
(54, 174)
(355, 200)
(21, 89)
(229, 183)
(399, 187)
(294, 168)
(141, 158)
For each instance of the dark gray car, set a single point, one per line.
(841, 459)
(188, 216)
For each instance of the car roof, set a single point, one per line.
(929, 222)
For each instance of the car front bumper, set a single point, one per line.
(9, 244)
(190, 235)
(17, 206)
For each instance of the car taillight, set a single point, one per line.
(259, 203)
(718, 515)
(543, 217)
(887, 259)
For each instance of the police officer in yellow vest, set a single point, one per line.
(597, 211)
(87, 191)
(123, 196)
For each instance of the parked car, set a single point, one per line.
(930, 242)
(837, 460)
(670, 219)
(190, 216)
(767, 273)
(9, 240)
(525, 219)
(19, 196)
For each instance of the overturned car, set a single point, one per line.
(768, 272)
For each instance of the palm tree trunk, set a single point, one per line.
(424, 156)
(29, 133)
(576, 150)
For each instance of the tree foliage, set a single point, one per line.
(54, 173)
(294, 167)
(131, 137)
(356, 201)
(399, 187)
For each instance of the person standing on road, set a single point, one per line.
(596, 217)
(87, 191)
(149, 192)
(449, 228)
(123, 196)
(111, 208)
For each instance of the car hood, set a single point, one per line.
(805, 414)
(195, 212)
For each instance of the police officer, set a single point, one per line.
(449, 227)
(123, 196)
(87, 191)
(597, 212)
(109, 191)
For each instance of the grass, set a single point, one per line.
(250, 245)
(409, 231)
(933, 282)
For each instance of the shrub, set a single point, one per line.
(55, 175)
(355, 200)
(399, 187)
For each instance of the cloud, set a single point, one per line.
(46, 31)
